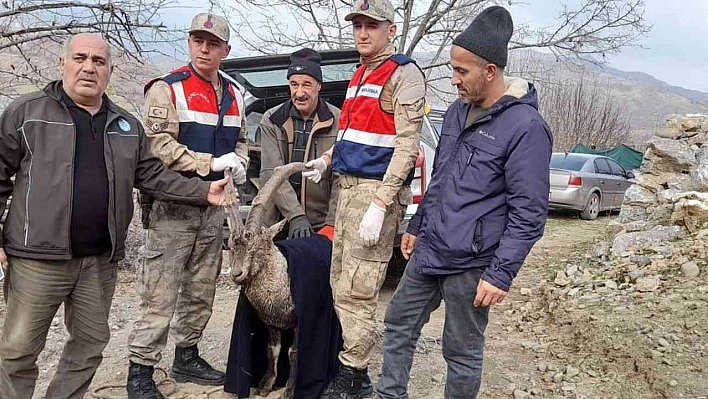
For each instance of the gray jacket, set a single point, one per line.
(37, 138)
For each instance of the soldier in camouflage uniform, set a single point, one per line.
(195, 121)
(374, 156)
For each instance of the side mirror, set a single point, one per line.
(630, 175)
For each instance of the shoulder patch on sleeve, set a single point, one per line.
(175, 77)
(159, 126)
(402, 59)
(157, 112)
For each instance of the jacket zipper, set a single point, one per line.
(478, 232)
(218, 111)
(349, 108)
(467, 164)
(71, 186)
(112, 185)
(29, 187)
(303, 189)
(447, 170)
(303, 182)
(474, 238)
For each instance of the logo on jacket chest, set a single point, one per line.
(124, 125)
(485, 134)
(198, 98)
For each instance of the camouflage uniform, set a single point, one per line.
(182, 256)
(358, 271)
(183, 250)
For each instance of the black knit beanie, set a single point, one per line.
(305, 62)
(488, 35)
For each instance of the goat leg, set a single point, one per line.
(292, 353)
(268, 380)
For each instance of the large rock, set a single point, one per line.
(667, 156)
(641, 225)
(699, 174)
(691, 209)
(690, 269)
(671, 193)
(667, 197)
(637, 195)
(519, 394)
(613, 229)
(699, 139)
(668, 133)
(653, 183)
(668, 181)
(643, 239)
(683, 126)
(683, 182)
(660, 214)
(648, 284)
(630, 213)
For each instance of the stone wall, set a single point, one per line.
(670, 197)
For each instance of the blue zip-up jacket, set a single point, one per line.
(487, 201)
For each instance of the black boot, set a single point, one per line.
(190, 367)
(346, 385)
(140, 383)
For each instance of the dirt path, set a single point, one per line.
(532, 338)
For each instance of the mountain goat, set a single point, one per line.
(261, 270)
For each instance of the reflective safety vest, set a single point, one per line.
(204, 125)
(367, 133)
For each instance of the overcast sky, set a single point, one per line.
(675, 51)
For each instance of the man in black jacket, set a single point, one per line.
(76, 157)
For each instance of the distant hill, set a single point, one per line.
(644, 78)
(647, 100)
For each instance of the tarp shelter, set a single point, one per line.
(626, 156)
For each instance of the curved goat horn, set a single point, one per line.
(264, 199)
(232, 214)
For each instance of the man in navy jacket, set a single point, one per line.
(485, 208)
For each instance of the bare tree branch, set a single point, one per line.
(32, 31)
(580, 107)
(597, 28)
(589, 31)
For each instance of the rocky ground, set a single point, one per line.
(575, 325)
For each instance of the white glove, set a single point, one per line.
(230, 160)
(370, 227)
(318, 166)
(238, 173)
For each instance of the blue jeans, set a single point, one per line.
(463, 335)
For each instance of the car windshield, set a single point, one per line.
(330, 73)
(567, 162)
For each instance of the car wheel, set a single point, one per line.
(592, 209)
